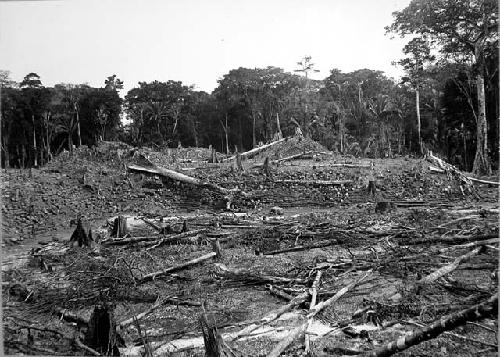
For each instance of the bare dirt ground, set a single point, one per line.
(369, 251)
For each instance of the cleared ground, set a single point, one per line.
(413, 223)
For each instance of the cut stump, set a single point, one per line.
(101, 333)
(80, 236)
(120, 228)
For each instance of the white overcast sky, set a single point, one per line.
(194, 41)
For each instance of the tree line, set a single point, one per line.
(38, 122)
(447, 101)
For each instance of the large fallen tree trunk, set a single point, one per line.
(251, 153)
(153, 240)
(70, 316)
(452, 171)
(288, 340)
(302, 247)
(273, 315)
(177, 176)
(158, 302)
(288, 158)
(247, 278)
(493, 183)
(313, 310)
(316, 182)
(152, 276)
(474, 313)
(450, 267)
(450, 240)
(441, 171)
(316, 309)
(314, 296)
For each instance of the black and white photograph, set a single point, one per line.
(261, 178)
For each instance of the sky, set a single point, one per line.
(193, 41)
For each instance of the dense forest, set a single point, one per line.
(446, 102)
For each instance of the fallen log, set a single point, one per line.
(473, 179)
(314, 295)
(254, 279)
(350, 165)
(273, 315)
(477, 312)
(493, 183)
(279, 293)
(159, 302)
(152, 240)
(84, 347)
(173, 239)
(177, 176)
(316, 309)
(131, 240)
(450, 240)
(152, 224)
(152, 298)
(292, 157)
(449, 268)
(316, 182)
(452, 171)
(302, 247)
(251, 153)
(70, 316)
(472, 244)
(288, 158)
(284, 343)
(364, 166)
(161, 273)
(457, 335)
(139, 316)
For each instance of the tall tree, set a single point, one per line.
(419, 53)
(31, 86)
(463, 29)
(69, 98)
(306, 67)
(5, 80)
(7, 107)
(156, 109)
(31, 80)
(113, 83)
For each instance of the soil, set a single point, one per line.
(396, 232)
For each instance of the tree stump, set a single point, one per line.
(80, 236)
(211, 337)
(166, 230)
(101, 332)
(119, 227)
(213, 158)
(217, 249)
(266, 167)
(383, 207)
(239, 167)
(372, 188)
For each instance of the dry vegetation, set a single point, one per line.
(319, 254)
